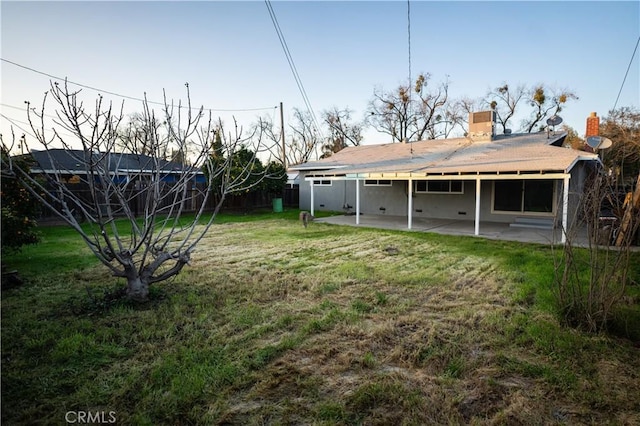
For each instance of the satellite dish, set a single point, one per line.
(606, 143)
(554, 120)
(594, 141)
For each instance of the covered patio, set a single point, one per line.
(412, 177)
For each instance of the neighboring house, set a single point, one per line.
(133, 171)
(70, 166)
(481, 177)
(293, 179)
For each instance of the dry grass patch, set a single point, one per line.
(277, 324)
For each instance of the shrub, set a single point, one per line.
(19, 212)
(592, 282)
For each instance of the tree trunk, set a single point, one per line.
(137, 288)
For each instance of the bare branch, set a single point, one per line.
(404, 116)
(106, 166)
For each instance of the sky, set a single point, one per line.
(230, 54)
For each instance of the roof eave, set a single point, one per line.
(302, 168)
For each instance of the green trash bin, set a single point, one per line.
(277, 205)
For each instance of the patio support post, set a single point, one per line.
(477, 218)
(357, 201)
(312, 203)
(565, 208)
(409, 203)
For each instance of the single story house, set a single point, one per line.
(70, 166)
(482, 177)
(131, 172)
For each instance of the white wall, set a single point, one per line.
(438, 206)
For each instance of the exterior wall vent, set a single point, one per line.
(482, 125)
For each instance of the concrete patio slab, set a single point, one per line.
(490, 230)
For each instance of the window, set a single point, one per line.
(322, 182)
(377, 182)
(440, 186)
(534, 196)
(538, 196)
(507, 196)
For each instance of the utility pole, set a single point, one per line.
(284, 155)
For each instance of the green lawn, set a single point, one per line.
(277, 324)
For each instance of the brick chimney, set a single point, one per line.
(593, 129)
(593, 125)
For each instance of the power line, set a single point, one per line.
(625, 74)
(17, 125)
(292, 66)
(23, 109)
(12, 106)
(14, 121)
(126, 96)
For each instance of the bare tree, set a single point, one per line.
(453, 116)
(305, 140)
(266, 129)
(508, 102)
(157, 245)
(545, 103)
(133, 136)
(406, 117)
(342, 131)
(504, 100)
(300, 144)
(457, 114)
(388, 113)
(431, 112)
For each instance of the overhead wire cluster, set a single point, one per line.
(292, 65)
(18, 126)
(15, 122)
(133, 98)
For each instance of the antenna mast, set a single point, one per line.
(410, 88)
(410, 82)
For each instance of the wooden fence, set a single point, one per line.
(194, 198)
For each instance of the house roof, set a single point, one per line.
(520, 153)
(73, 161)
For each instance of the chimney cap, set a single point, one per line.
(593, 114)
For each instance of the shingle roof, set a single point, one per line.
(523, 153)
(73, 161)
